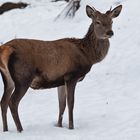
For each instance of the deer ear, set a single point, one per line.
(116, 11)
(90, 11)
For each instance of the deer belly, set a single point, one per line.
(41, 83)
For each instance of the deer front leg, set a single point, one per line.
(70, 101)
(62, 103)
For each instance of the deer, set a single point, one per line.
(62, 63)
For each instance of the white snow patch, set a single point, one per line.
(107, 104)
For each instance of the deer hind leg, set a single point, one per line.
(8, 88)
(16, 97)
(62, 103)
(70, 100)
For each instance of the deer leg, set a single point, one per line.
(14, 103)
(62, 103)
(70, 101)
(8, 88)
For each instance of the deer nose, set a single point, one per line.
(110, 33)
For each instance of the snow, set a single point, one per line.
(107, 102)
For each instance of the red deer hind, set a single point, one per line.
(40, 64)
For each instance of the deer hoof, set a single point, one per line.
(59, 125)
(20, 130)
(5, 130)
(71, 127)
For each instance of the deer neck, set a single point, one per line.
(90, 38)
(96, 48)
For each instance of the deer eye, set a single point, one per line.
(98, 22)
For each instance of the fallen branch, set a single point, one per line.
(9, 6)
(70, 10)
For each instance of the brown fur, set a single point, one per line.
(46, 64)
(5, 52)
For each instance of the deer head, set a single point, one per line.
(102, 23)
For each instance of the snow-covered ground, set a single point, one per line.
(107, 104)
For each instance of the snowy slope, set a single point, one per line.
(107, 104)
